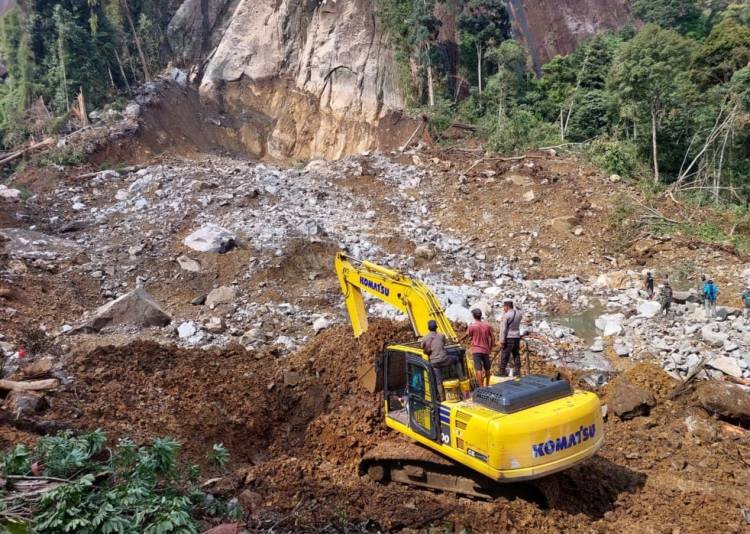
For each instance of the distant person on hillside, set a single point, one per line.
(510, 338)
(665, 297)
(434, 346)
(482, 343)
(649, 284)
(746, 301)
(711, 293)
(702, 290)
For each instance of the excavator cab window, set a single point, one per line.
(421, 407)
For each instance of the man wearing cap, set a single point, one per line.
(433, 345)
(482, 342)
(510, 337)
(746, 301)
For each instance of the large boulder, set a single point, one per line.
(221, 295)
(725, 400)
(211, 238)
(628, 401)
(610, 324)
(648, 308)
(136, 308)
(459, 314)
(727, 365)
(616, 280)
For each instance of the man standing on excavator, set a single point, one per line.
(433, 345)
(482, 343)
(510, 337)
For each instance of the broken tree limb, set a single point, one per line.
(47, 143)
(417, 132)
(31, 385)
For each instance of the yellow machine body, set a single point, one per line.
(536, 441)
(531, 443)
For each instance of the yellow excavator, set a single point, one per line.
(516, 430)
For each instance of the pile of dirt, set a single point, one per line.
(647, 376)
(296, 426)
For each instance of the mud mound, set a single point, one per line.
(647, 376)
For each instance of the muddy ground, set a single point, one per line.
(297, 426)
(297, 422)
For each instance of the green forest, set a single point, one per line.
(53, 49)
(666, 101)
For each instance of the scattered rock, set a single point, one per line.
(713, 336)
(623, 350)
(425, 252)
(221, 295)
(136, 308)
(186, 330)
(628, 401)
(459, 314)
(562, 225)
(649, 308)
(250, 501)
(24, 403)
(725, 400)
(598, 345)
(727, 365)
(614, 178)
(211, 238)
(215, 325)
(321, 324)
(8, 193)
(529, 196)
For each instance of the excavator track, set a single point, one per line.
(412, 464)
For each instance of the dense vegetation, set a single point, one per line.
(54, 49)
(668, 100)
(94, 489)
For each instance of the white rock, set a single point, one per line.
(609, 320)
(614, 178)
(215, 325)
(189, 264)
(598, 345)
(493, 291)
(321, 324)
(648, 308)
(210, 238)
(529, 196)
(8, 193)
(186, 330)
(141, 204)
(623, 349)
(457, 313)
(730, 346)
(727, 365)
(121, 195)
(713, 336)
(221, 295)
(78, 206)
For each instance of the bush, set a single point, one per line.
(130, 489)
(615, 157)
(520, 131)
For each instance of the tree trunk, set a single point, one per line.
(122, 71)
(35, 385)
(430, 86)
(64, 73)
(479, 66)
(135, 38)
(654, 147)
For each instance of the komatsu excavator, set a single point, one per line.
(521, 429)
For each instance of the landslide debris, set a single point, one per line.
(297, 425)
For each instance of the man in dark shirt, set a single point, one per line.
(433, 345)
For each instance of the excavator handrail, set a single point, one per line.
(407, 295)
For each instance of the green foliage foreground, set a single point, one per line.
(130, 489)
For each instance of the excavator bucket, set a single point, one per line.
(370, 378)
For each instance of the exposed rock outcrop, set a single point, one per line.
(555, 27)
(320, 73)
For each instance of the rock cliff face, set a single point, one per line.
(319, 72)
(551, 27)
(315, 78)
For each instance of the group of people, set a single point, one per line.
(483, 343)
(708, 293)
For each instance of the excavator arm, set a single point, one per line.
(409, 296)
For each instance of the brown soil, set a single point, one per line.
(298, 446)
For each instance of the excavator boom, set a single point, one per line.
(410, 296)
